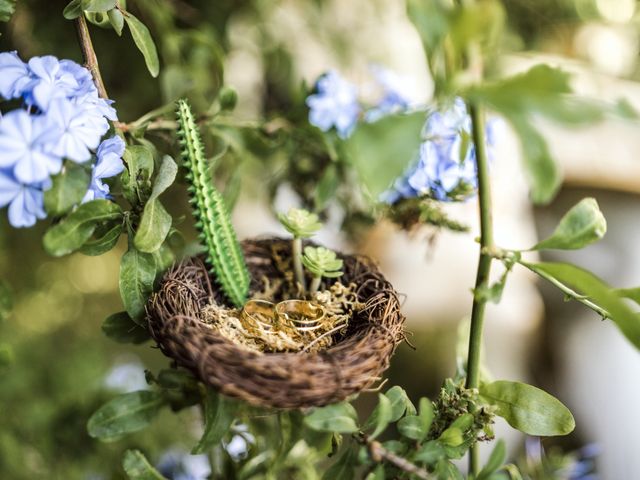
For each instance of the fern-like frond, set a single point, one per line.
(212, 217)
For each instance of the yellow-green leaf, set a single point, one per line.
(528, 408)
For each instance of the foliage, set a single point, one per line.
(337, 154)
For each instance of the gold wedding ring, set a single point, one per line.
(259, 312)
(303, 315)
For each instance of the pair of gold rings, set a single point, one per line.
(303, 315)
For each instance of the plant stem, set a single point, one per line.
(297, 263)
(484, 263)
(89, 54)
(315, 284)
(380, 454)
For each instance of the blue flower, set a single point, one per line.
(49, 81)
(14, 75)
(25, 146)
(109, 164)
(80, 132)
(176, 465)
(394, 98)
(443, 168)
(446, 166)
(82, 77)
(26, 202)
(334, 105)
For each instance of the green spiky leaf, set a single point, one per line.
(212, 217)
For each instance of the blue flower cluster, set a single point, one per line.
(446, 166)
(61, 117)
(336, 104)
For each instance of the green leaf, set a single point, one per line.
(116, 19)
(413, 427)
(165, 178)
(579, 227)
(377, 474)
(630, 293)
(543, 90)
(578, 282)
(380, 417)
(219, 413)
(72, 10)
(344, 467)
(7, 8)
(156, 221)
(124, 414)
(98, 5)
(144, 42)
(528, 409)
(399, 403)
(105, 237)
(429, 453)
(541, 170)
(137, 467)
(431, 19)
(154, 227)
(137, 273)
(445, 470)
(381, 151)
(339, 418)
(416, 427)
(73, 231)
(120, 328)
(136, 179)
(496, 459)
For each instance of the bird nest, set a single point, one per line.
(353, 358)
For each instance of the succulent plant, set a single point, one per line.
(301, 224)
(321, 262)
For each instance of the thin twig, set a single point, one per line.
(89, 55)
(380, 454)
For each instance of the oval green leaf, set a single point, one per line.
(219, 413)
(154, 227)
(144, 42)
(73, 231)
(72, 10)
(528, 408)
(381, 416)
(579, 227)
(124, 414)
(116, 19)
(105, 237)
(339, 418)
(137, 273)
(579, 282)
(98, 5)
(137, 467)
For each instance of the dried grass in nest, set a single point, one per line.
(354, 362)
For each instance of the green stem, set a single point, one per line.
(315, 284)
(484, 263)
(297, 263)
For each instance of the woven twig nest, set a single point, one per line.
(353, 363)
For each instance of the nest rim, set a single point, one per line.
(282, 380)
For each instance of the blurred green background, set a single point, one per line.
(56, 367)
